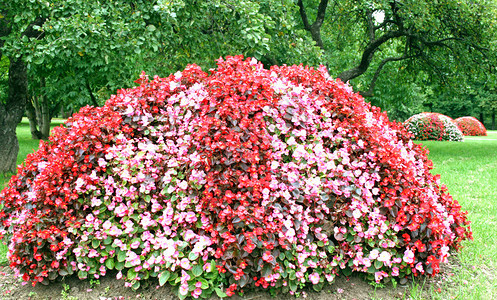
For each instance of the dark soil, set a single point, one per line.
(108, 288)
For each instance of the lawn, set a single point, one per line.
(469, 169)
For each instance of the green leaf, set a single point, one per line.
(293, 285)
(63, 272)
(163, 277)
(110, 264)
(131, 274)
(378, 264)
(82, 274)
(205, 283)
(192, 256)
(95, 243)
(220, 293)
(108, 241)
(347, 271)
(197, 270)
(121, 256)
(267, 270)
(318, 287)
(291, 275)
(173, 277)
(119, 266)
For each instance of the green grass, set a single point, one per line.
(26, 145)
(469, 169)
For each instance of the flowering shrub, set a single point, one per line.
(433, 126)
(471, 126)
(219, 182)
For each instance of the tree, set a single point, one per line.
(85, 50)
(435, 36)
(12, 109)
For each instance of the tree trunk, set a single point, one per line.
(314, 28)
(92, 97)
(33, 121)
(45, 119)
(44, 113)
(493, 119)
(11, 114)
(481, 119)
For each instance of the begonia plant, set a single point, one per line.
(471, 126)
(230, 180)
(433, 126)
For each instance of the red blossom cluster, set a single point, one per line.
(241, 178)
(433, 126)
(471, 126)
(39, 207)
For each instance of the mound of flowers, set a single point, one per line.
(232, 180)
(471, 126)
(433, 126)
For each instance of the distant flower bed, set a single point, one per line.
(471, 126)
(433, 126)
(238, 179)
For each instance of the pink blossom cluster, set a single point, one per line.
(241, 178)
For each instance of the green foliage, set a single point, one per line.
(4, 77)
(107, 44)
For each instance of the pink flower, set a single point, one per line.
(329, 277)
(135, 244)
(395, 271)
(267, 256)
(378, 276)
(419, 267)
(374, 254)
(196, 293)
(107, 224)
(184, 277)
(385, 257)
(409, 256)
(314, 278)
(190, 217)
(183, 289)
(185, 264)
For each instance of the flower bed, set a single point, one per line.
(471, 126)
(433, 126)
(241, 178)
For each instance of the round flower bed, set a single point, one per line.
(232, 180)
(471, 126)
(433, 126)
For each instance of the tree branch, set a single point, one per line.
(314, 28)
(367, 56)
(371, 27)
(303, 15)
(369, 92)
(92, 97)
(321, 13)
